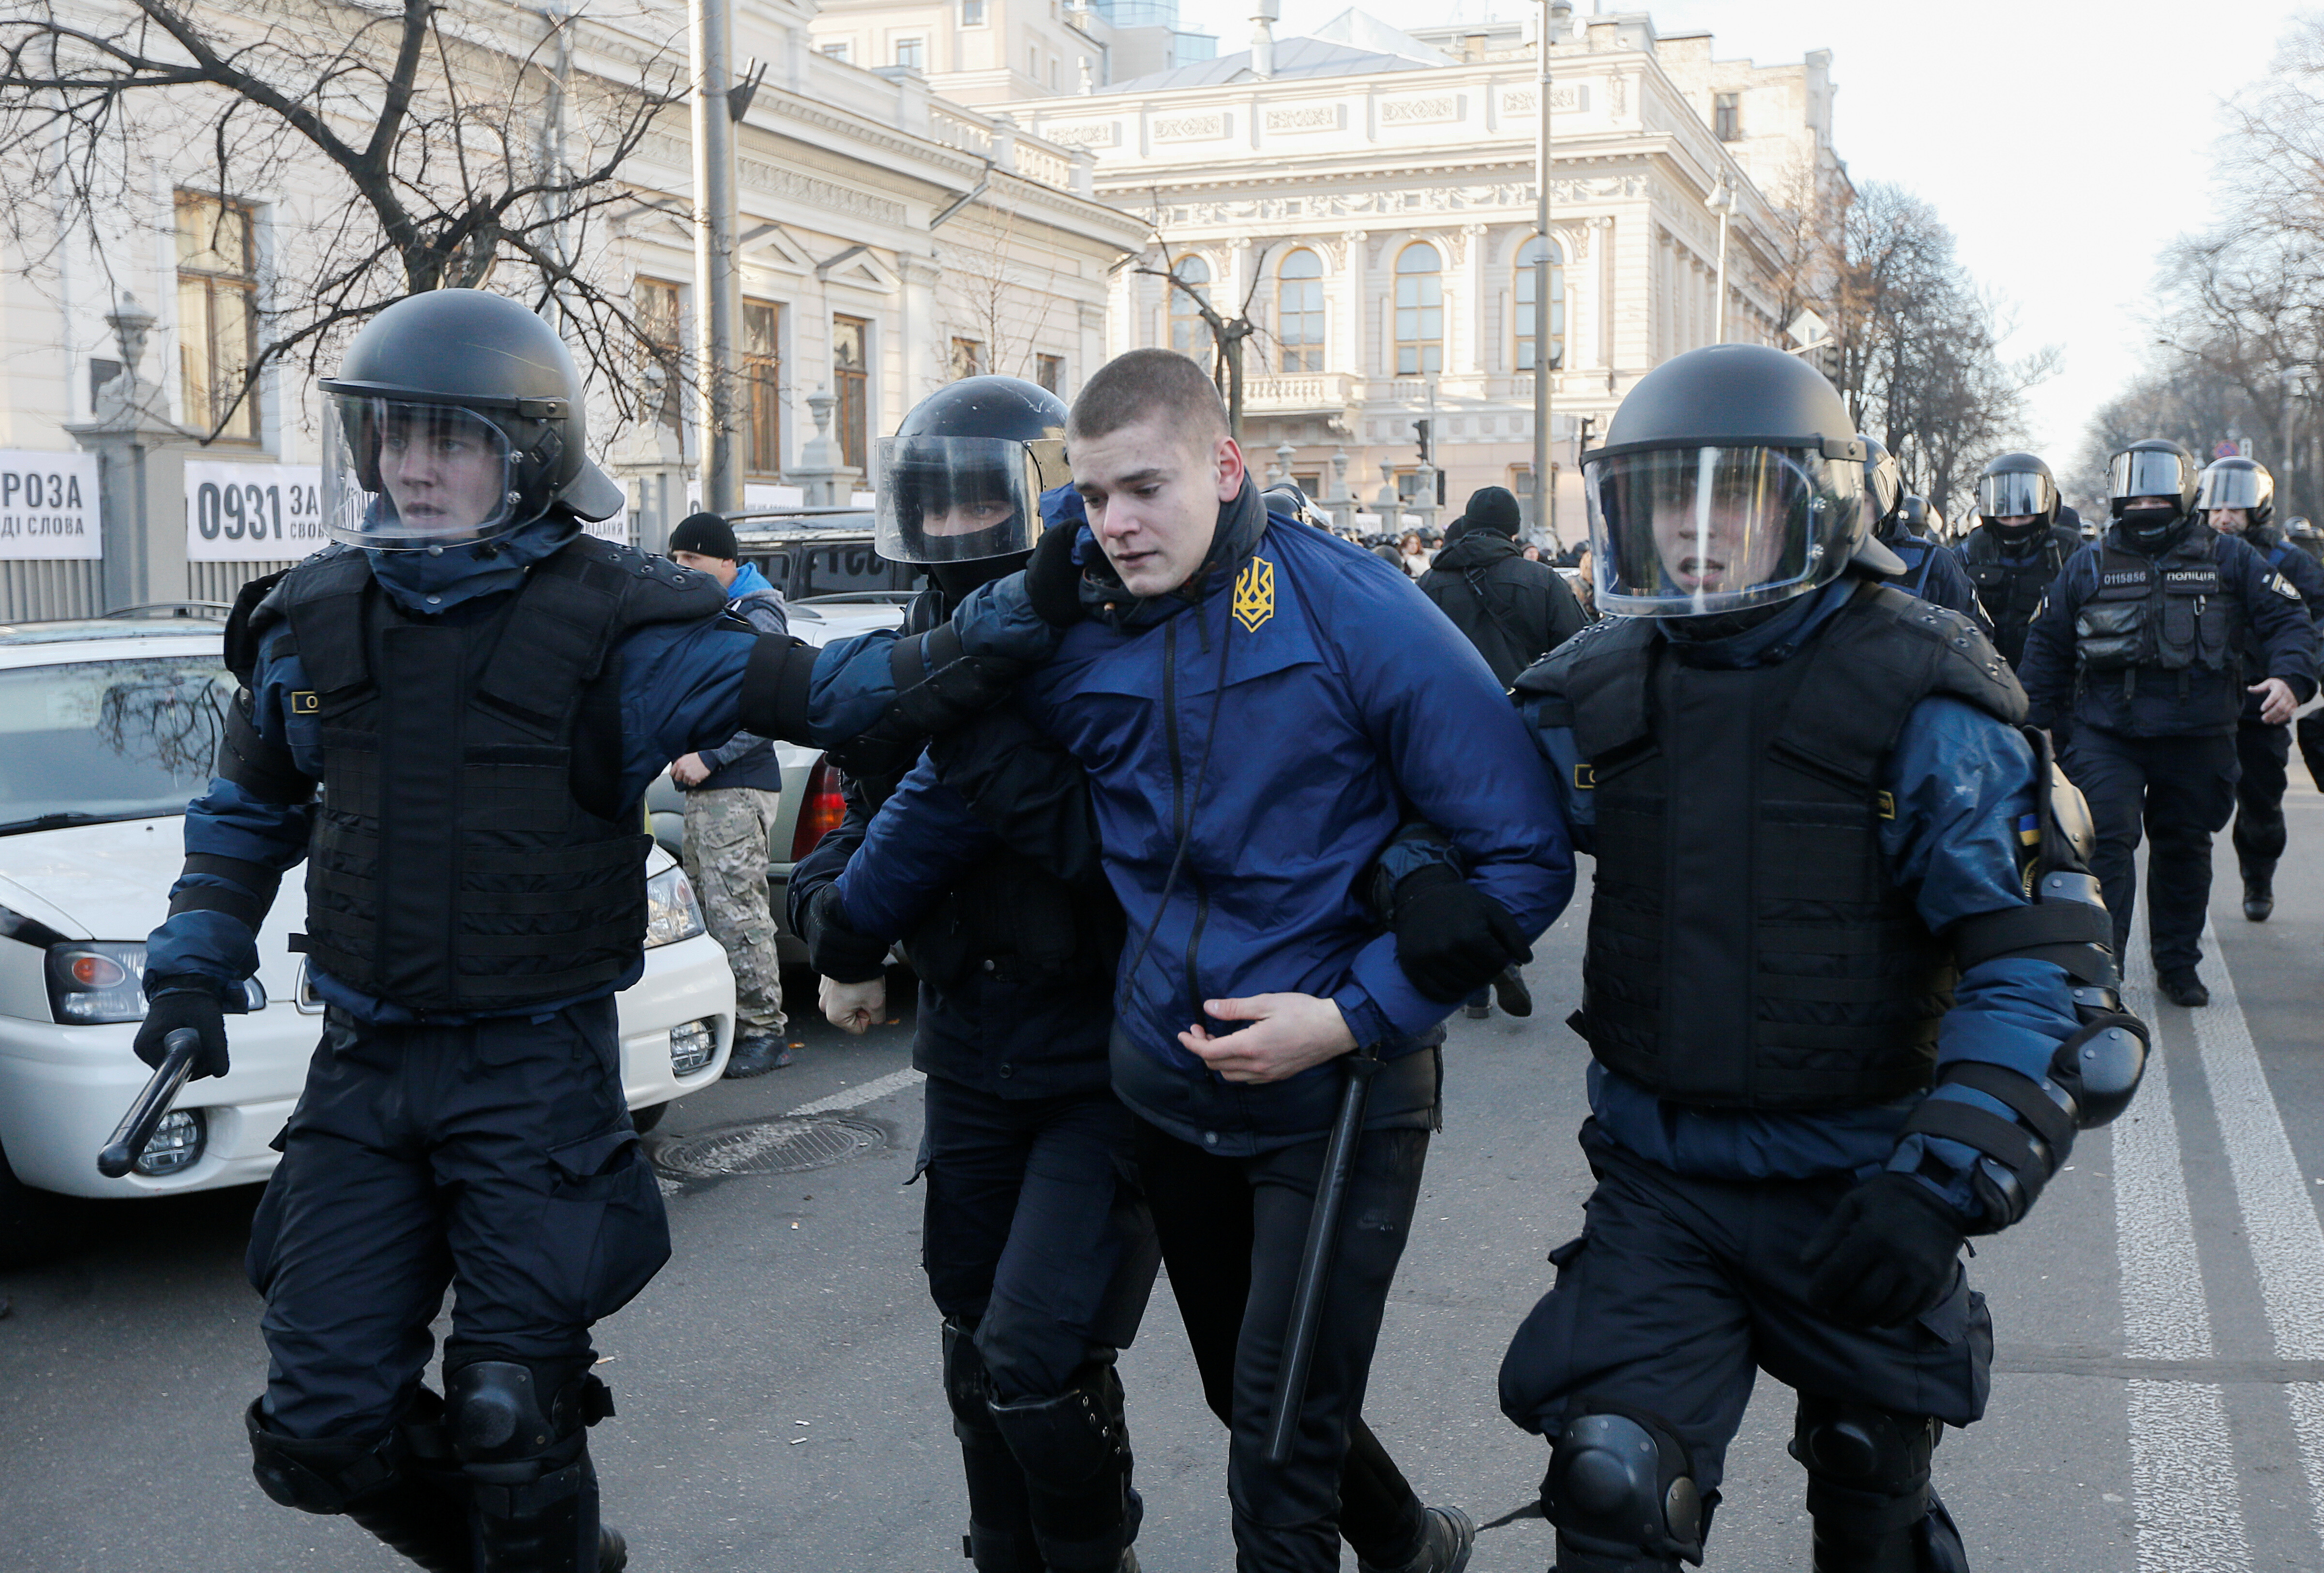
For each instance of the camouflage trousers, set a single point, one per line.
(726, 831)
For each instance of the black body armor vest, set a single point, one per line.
(2169, 612)
(472, 851)
(1747, 947)
(2010, 588)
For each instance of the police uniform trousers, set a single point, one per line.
(2180, 790)
(1232, 1231)
(1681, 1289)
(2264, 754)
(1035, 1233)
(496, 1159)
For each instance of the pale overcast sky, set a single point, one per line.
(2065, 141)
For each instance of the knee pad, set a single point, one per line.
(324, 1475)
(1867, 1467)
(1620, 1486)
(968, 1387)
(1066, 1442)
(495, 1412)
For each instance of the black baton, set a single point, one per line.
(1316, 1259)
(137, 1127)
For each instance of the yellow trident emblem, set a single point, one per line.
(1254, 593)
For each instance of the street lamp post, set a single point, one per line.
(717, 286)
(1554, 16)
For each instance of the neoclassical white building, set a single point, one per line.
(1370, 194)
(889, 240)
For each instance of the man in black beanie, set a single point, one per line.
(1515, 611)
(732, 792)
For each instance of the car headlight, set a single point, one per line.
(671, 911)
(103, 980)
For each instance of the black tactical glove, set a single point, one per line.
(1053, 580)
(1451, 938)
(835, 950)
(1888, 1252)
(193, 1007)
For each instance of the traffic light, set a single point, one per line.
(1420, 431)
(1581, 445)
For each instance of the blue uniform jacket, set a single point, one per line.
(1963, 782)
(1252, 743)
(2269, 610)
(680, 688)
(1933, 573)
(2303, 573)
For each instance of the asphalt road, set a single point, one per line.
(2158, 1403)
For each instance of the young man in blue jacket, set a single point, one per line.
(1257, 705)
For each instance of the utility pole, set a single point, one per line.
(1722, 202)
(1554, 16)
(717, 285)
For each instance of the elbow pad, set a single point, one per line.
(265, 770)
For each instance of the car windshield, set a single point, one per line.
(108, 739)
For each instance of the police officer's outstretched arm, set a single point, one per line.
(242, 835)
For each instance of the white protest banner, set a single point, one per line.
(48, 506)
(253, 513)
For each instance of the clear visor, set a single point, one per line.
(2017, 494)
(1686, 532)
(404, 476)
(2233, 488)
(2145, 472)
(957, 499)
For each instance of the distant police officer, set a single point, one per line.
(2142, 642)
(2237, 497)
(2018, 547)
(1037, 1248)
(1902, 524)
(1832, 1032)
(483, 692)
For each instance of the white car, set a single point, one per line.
(107, 727)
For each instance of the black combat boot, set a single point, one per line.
(527, 1465)
(1074, 1451)
(2180, 986)
(1447, 1536)
(2259, 891)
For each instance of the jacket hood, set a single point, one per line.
(1477, 548)
(1240, 524)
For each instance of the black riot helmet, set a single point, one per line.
(1912, 515)
(961, 481)
(1290, 499)
(2154, 467)
(2298, 528)
(2238, 483)
(1884, 484)
(1731, 477)
(455, 417)
(2018, 486)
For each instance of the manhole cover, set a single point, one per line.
(776, 1146)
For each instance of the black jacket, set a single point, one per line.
(1513, 610)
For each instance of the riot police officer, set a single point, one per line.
(1037, 1248)
(2237, 497)
(484, 693)
(2140, 641)
(2019, 545)
(1901, 520)
(1833, 1017)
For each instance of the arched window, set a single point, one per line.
(1527, 280)
(1189, 334)
(1299, 311)
(1419, 310)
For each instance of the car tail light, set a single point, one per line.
(821, 811)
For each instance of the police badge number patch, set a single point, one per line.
(2282, 586)
(1254, 593)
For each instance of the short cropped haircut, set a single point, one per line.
(1146, 384)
